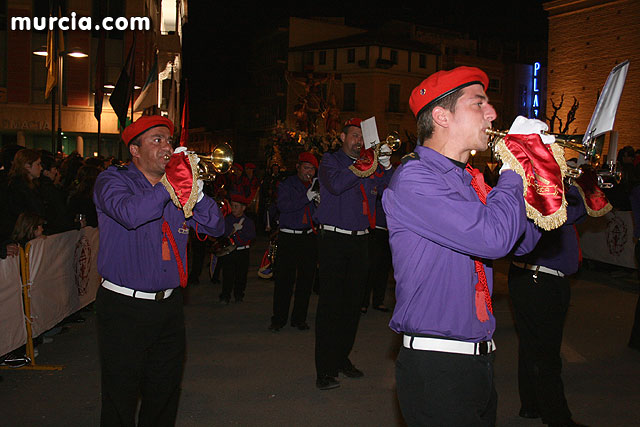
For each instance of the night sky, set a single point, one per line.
(217, 36)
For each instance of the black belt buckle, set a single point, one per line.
(159, 296)
(483, 348)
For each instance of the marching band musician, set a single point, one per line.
(297, 245)
(242, 230)
(142, 258)
(540, 293)
(444, 227)
(345, 213)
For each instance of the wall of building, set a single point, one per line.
(586, 40)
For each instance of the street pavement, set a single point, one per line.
(239, 373)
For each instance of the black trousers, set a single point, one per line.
(445, 389)
(234, 274)
(142, 349)
(540, 308)
(343, 263)
(297, 259)
(379, 267)
(197, 252)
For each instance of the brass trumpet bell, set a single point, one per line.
(393, 142)
(218, 162)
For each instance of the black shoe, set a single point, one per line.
(14, 360)
(303, 326)
(327, 382)
(381, 308)
(529, 413)
(352, 372)
(275, 327)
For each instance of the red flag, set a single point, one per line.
(184, 133)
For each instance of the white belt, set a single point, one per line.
(290, 231)
(343, 231)
(157, 296)
(379, 227)
(239, 248)
(448, 346)
(539, 268)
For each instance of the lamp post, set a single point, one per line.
(74, 53)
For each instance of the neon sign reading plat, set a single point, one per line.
(535, 101)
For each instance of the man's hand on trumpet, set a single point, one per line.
(384, 156)
(523, 126)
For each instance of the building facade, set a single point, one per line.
(26, 116)
(587, 38)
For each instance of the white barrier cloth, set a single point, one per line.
(609, 239)
(12, 329)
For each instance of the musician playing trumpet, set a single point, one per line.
(346, 211)
(445, 227)
(142, 258)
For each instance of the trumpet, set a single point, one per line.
(606, 178)
(218, 162)
(392, 141)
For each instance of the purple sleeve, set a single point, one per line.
(117, 199)
(440, 211)
(529, 239)
(289, 198)
(334, 177)
(208, 217)
(576, 211)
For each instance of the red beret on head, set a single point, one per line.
(249, 166)
(309, 158)
(440, 84)
(238, 198)
(354, 121)
(238, 166)
(142, 125)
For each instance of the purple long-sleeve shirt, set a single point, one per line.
(295, 208)
(558, 249)
(436, 223)
(341, 199)
(246, 234)
(130, 217)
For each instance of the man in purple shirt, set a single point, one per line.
(347, 203)
(442, 239)
(142, 259)
(540, 292)
(297, 245)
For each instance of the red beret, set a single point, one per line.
(309, 158)
(354, 121)
(238, 166)
(142, 125)
(249, 166)
(440, 84)
(238, 198)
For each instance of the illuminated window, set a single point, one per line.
(169, 17)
